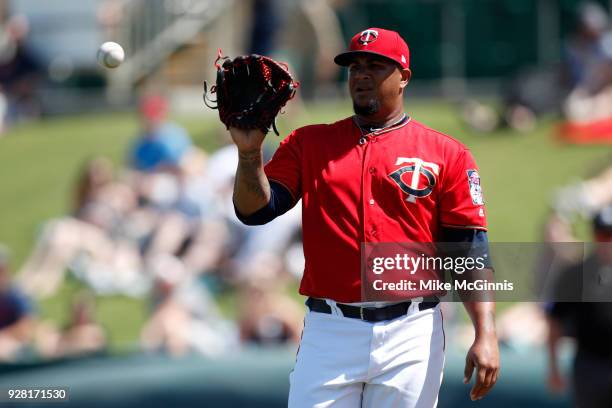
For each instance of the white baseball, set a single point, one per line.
(110, 54)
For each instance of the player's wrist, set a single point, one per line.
(485, 334)
(250, 154)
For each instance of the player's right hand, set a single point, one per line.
(247, 140)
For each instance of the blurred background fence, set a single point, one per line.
(458, 46)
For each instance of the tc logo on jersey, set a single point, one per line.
(423, 178)
(475, 187)
(368, 36)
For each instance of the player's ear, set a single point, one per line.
(406, 75)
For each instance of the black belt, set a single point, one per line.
(370, 314)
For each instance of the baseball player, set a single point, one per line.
(348, 174)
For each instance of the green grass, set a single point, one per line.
(39, 163)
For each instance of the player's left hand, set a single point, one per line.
(484, 356)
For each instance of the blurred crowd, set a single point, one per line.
(161, 228)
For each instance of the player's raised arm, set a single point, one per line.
(251, 188)
(250, 92)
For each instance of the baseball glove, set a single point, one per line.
(250, 90)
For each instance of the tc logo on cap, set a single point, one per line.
(368, 36)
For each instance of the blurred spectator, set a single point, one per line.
(191, 222)
(20, 74)
(200, 244)
(16, 314)
(162, 145)
(268, 316)
(96, 174)
(164, 161)
(588, 64)
(582, 199)
(272, 238)
(578, 88)
(267, 21)
(242, 242)
(571, 204)
(585, 50)
(317, 66)
(218, 241)
(82, 335)
(99, 197)
(99, 243)
(588, 319)
(185, 319)
(312, 60)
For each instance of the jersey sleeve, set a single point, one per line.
(280, 202)
(461, 197)
(285, 167)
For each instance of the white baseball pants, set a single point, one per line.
(348, 363)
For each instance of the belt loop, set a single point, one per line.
(414, 305)
(334, 308)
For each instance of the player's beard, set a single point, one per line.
(370, 108)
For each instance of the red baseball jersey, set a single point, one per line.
(398, 184)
